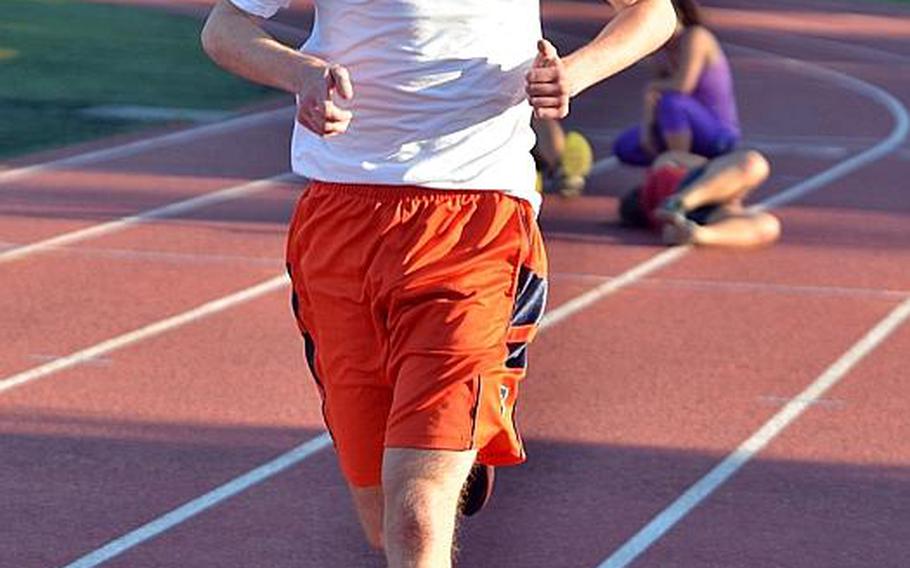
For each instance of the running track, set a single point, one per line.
(656, 366)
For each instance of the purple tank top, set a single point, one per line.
(715, 91)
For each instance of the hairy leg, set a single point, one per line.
(551, 140)
(727, 179)
(422, 489)
(369, 504)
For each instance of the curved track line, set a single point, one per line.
(894, 140)
(704, 487)
(131, 148)
(878, 334)
(163, 212)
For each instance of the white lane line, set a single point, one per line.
(705, 486)
(132, 148)
(139, 334)
(162, 212)
(809, 150)
(774, 400)
(147, 113)
(583, 237)
(747, 287)
(192, 508)
(94, 361)
(628, 277)
(604, 165)
(871, 54)
(797, 142)
(894, 140)
(128, 255)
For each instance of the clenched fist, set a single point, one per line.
(316, 108)
(546, 83)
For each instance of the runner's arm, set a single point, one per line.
(236, 41)
(639, 28)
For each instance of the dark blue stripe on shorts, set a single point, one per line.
(530, 298)
(530, 302)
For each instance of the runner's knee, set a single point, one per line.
(421, 491)
(409, 511)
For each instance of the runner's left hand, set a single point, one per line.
(546, 83)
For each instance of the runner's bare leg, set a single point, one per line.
(422, 489)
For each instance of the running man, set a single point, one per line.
(697, 201)
(419, 273)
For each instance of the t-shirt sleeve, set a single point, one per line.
(261, 8)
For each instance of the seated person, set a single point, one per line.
(693, 200)
(691, 105)
(563, 160)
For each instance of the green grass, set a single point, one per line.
(58, 57)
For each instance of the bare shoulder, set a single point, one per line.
(699, 36)
(700, 40)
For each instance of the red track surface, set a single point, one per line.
(629, 402)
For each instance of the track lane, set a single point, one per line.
(65, 301)
(159, 424)
(831, 491)
(593, 261)
(614, 468)
(49, 202)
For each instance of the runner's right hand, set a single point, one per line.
(316, 108)
(546, 83)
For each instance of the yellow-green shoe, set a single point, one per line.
(574, 164)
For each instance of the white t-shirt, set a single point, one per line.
(439, 97)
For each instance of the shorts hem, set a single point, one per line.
(362, 481)
(456, 444)
(501, 459)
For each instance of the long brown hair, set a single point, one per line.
(688, 12)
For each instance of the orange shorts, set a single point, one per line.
(416, 307)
